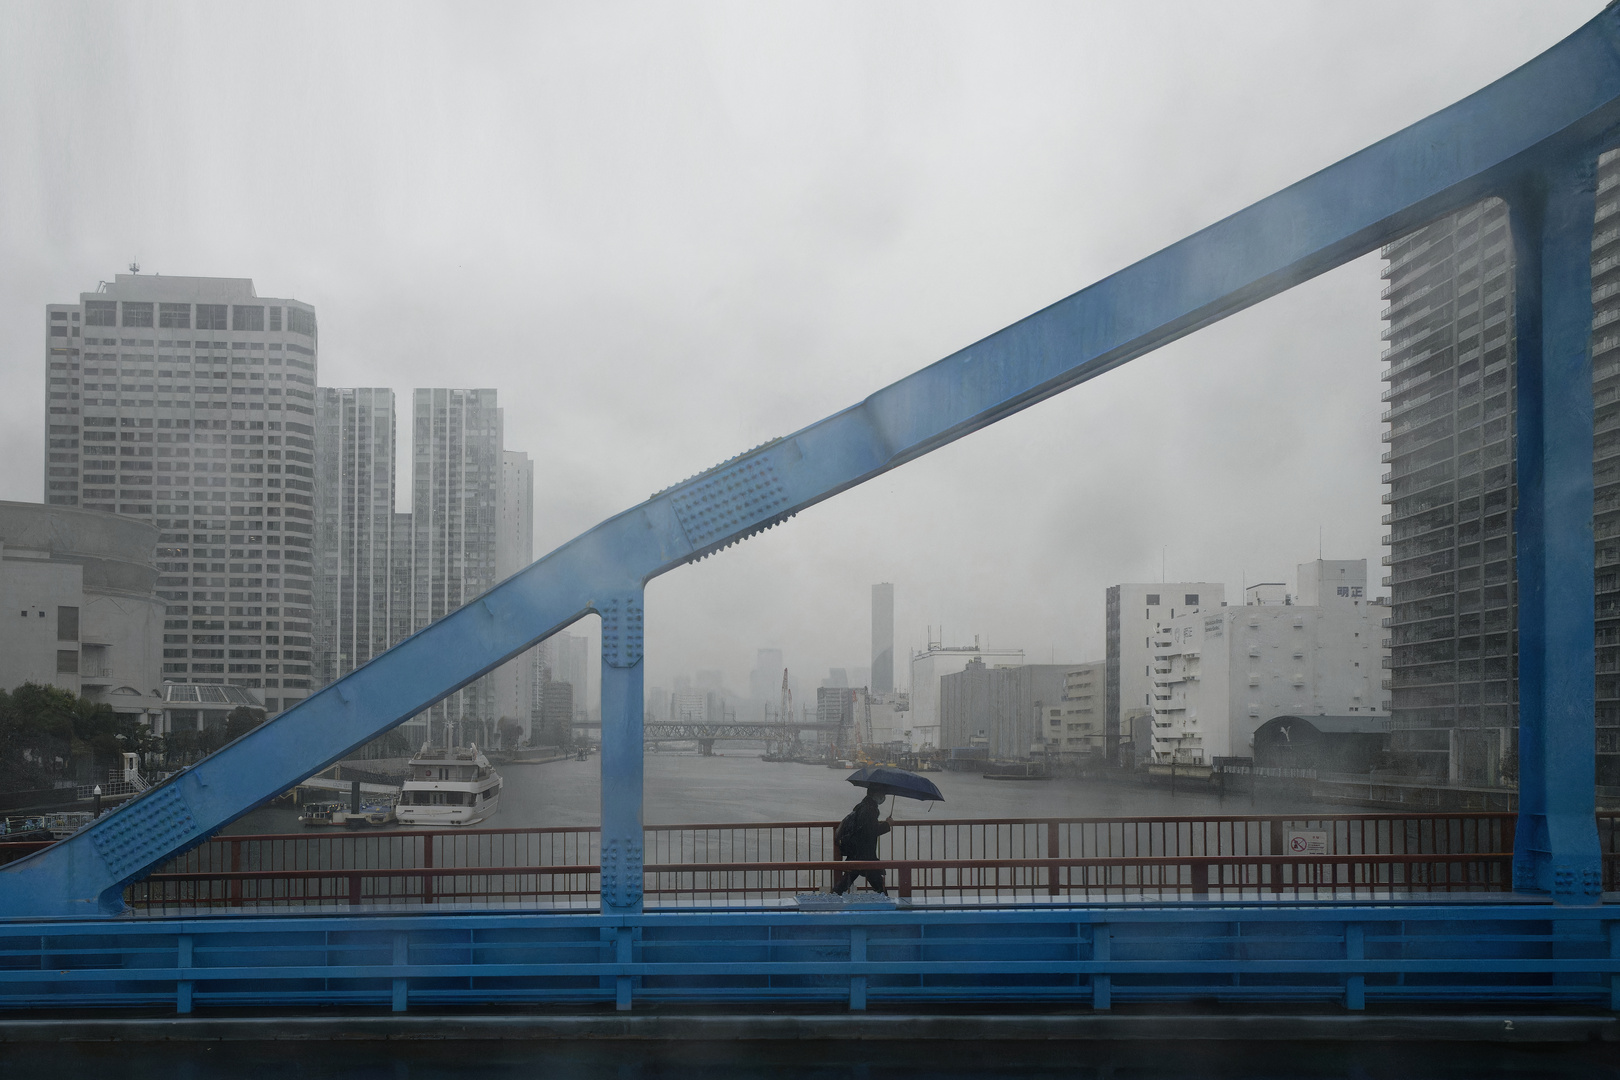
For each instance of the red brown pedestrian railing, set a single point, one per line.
(946, 861)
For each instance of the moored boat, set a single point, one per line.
(453, 785)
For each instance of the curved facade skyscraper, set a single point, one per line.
(189, 403)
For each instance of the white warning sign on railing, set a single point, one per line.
(1306, 841)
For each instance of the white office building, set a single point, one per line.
(1133, 613)
(189, 403)
(1220, 673)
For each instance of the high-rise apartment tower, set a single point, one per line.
(1452, 626)
(354, 519)
(1452, 490)
(455, 521)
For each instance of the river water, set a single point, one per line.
(683, 788)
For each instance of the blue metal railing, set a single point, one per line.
(1347, 954)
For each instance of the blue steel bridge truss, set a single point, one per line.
(1531, 139)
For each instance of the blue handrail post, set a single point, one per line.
(1556, 845)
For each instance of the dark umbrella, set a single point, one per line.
(887, 781)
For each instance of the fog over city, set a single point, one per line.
(666, 235)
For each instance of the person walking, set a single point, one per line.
(857, 838)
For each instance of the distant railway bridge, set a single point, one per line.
(707, 734)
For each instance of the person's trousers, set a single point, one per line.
(873, 878)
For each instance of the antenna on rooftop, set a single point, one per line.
(135, 267)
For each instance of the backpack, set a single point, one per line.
(845, 831)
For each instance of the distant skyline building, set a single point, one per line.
(1133, 613)
(565, 657)
(883, 638)
(355, 451)
(189, 403)
(765, 681)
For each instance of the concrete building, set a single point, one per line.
(1075, 726)
(891, 719)
(189, 403)
(883, 638)
(79, 606)
(1133, 612)
(1003, 709)
(354, 520)
(931, 665)
(1221, 673)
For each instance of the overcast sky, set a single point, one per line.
(666, 233)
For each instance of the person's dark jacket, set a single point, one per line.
(862, 842)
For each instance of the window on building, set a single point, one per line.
(1153, 599)
(1191, 599)
(137, 314)
(210, 317)
(100, 313)
(247, 317)
(177, 316)
(301, 322)
(275, 318)
(67, 624)
(67, 661)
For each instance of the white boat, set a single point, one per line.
(65, 824)
(453, 785)
(321, 813)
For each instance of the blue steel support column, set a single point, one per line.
(621, 752)
(1556, 845)
(621, 777)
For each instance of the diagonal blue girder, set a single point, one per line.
(1554, 108)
